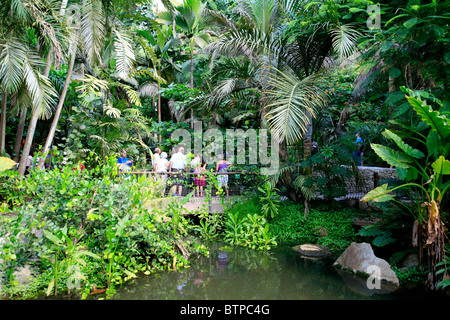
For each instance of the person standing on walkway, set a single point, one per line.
(124, 163)
(199, 179)
(161, 168)
(222, 166)
(177, 165)
(358, 154)
(156, 156)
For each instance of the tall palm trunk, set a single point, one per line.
(32, 125)
(159, 108)
(51, 133)
(287, 175)
(3, 123)
(192, 78)
(34, 113)
(19, 133)
(306, 154)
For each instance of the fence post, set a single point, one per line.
(375, 179)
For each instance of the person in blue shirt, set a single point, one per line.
(123, 162)
(358, 154)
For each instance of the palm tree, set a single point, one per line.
(303, 55)
(87, 30)
(20, 64)
(156, 61)
(287, 60)
(190, 18)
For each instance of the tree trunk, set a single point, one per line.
(32, 125)
(19, 133)
(62, 11)
(28, 143)
(287, 175)
(51, 133)
(306, 154)
(34, 115)
(3, 123)
(192, 78)
(159, 109)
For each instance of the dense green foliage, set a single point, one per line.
(85, 79)
(331, 227)
(95, 231)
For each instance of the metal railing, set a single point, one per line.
(232, 182)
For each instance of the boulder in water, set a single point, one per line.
(360, 259)
(312, 250)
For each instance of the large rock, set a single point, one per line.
(359, 259)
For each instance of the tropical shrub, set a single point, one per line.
(251, 231)
(74, 227)
(424, 168)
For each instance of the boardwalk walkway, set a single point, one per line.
(366, 180)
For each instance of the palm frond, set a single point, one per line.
(148, 89)
(291, 102)
(124, 54)
(344, 40)
(39, 87)
(93, 30)
(12, 55)
(132, 95)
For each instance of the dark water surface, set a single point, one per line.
(240, 274)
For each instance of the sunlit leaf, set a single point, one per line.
(379, 194)
(6, 163)
(441, 166)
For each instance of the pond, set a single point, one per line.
(240, 274)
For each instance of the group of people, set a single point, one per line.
(178, 166)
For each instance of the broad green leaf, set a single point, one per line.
(394, 72)
(409, 174)
(52, 237)
(383, 240)
(402, 173)
(434, 119)
(410, 23)
(392, 157)
(433, 143)
(412, 175)
(441, 166)
(6, 163)
(410, 151)
(380, 194)
(186, 198)
(386, 45)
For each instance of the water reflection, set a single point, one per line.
(240, 274)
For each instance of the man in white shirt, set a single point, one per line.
(177, 165)
(156, 156)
